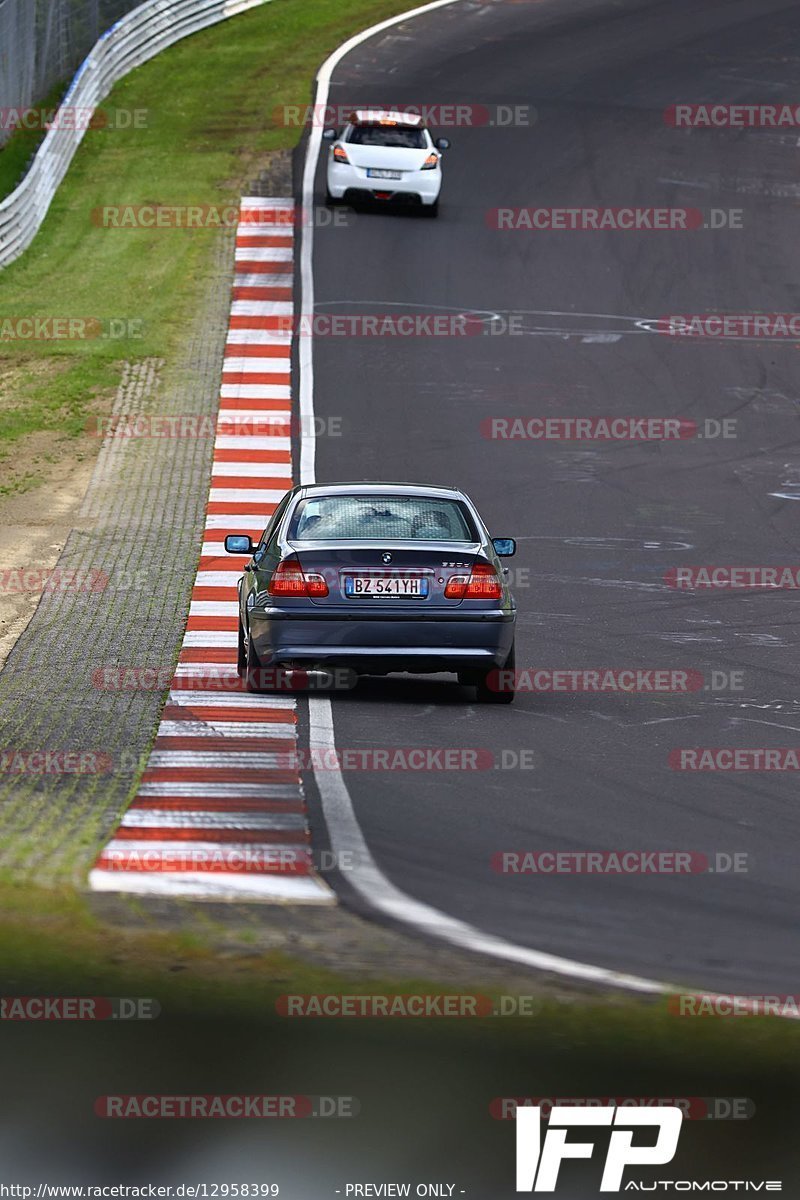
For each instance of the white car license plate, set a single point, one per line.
(379, 174)
(381, 585)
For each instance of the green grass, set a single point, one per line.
(55, 400)
(209, 108)
(58, 946)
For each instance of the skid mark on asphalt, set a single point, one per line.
(219, 813)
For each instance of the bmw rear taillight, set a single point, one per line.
(482, 584)
(289, 579)
(456, 587)
(339, 155)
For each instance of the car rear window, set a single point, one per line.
(387, 135)
(421, 518)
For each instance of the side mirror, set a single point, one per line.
(504, 547)
(329, 135)
(238, 543)
(442, 143)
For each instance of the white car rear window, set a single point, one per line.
(387, 135)
(420, 518)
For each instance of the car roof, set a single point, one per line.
(366, 486)
(388, 116)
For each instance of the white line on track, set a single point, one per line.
(220, 495)
(238, 700)
(223, 791)
(261, 308)
(277, 337)
(200, 638)
(239, 522)
(288, 889)
(246, 759)
(275, 850)
(227, 729)
(214, 608)
(254, 470)
(154, 818)
(243, 418)
(250, 366)
(256, 391)
(245, 253)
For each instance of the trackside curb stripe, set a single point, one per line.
(219, 813)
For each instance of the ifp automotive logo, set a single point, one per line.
(539, 1159)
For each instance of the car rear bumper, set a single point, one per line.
(450, 643)
(353, 183)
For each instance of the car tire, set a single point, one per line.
(431, 210)
(496, 695)
(253, 670)
(241, 652)
(330, 200)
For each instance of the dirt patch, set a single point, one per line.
(34, 527)
(43, 480)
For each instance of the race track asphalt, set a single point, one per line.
(598, 523)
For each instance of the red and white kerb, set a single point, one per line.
(217, 814)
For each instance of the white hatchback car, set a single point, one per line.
(386, 157)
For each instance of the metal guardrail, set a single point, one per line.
(134, 39)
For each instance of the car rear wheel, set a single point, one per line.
(493, 686)
(241, 652)
(431, 210)
(331, 200)
(252, 671)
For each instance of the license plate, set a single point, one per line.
(378, 585)
(376, 174)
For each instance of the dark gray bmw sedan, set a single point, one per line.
(377, 577)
